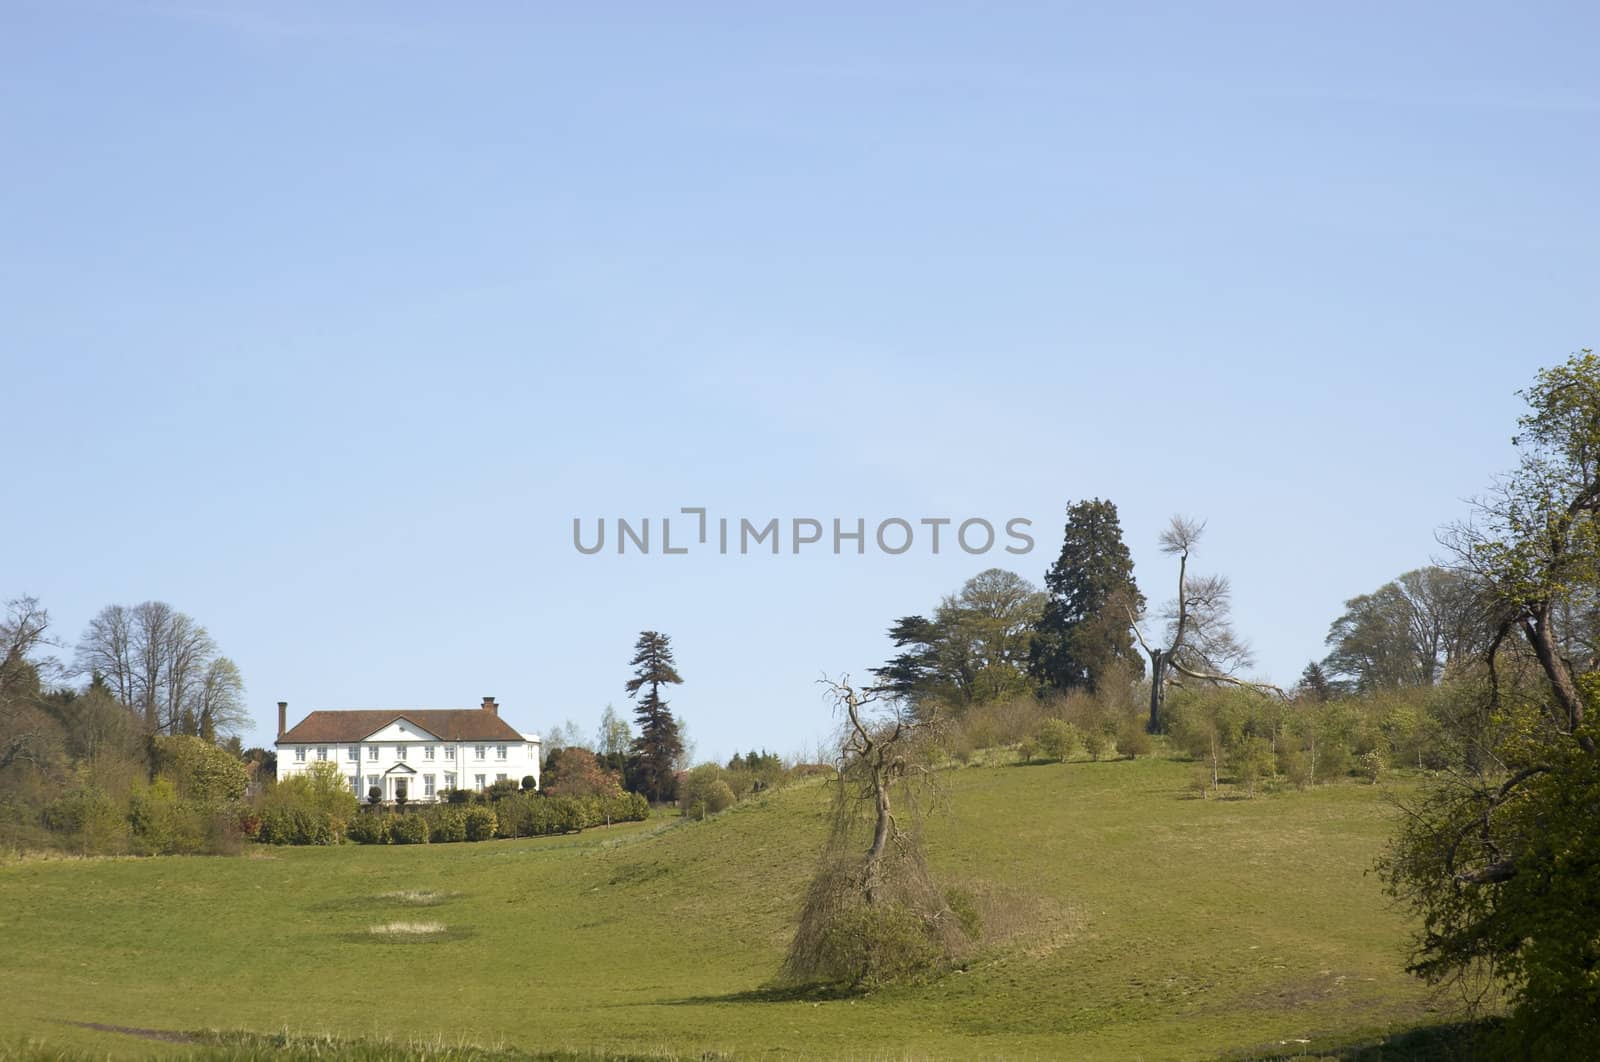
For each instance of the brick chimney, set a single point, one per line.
(491, 707)
(283, 717)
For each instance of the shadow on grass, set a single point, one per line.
(1449, 1042)
(774, 994)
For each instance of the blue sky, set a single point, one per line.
(323, 321)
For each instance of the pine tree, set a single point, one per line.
(659, 744)
(1084, 633)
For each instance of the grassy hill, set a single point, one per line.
(1132, 921)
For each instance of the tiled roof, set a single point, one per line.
(447, 724)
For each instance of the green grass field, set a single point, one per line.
(1135, 922)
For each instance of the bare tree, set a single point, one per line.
(22, 634)
(1201, 642)
(25, 732)
(875, 915)
(187, 653)
(106, 649)
(158, 661)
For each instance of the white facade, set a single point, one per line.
(403, 757)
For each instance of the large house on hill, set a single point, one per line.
(415, 753)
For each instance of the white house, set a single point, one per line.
(415, 752)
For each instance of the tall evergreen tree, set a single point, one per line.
(909, 672)
(659, 744)
(1084, 632)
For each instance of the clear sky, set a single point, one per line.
(323, 321)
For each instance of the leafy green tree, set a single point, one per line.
(1502, 866)
(1408, 631)
(613, 739)
(915, 669)
(975, 649)
(660, 743)
(1084, 634)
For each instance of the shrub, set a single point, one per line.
(704, 792)
(1133, 740)
(447, 824)
(375, 796)
(369, 828)
(1096, 743)
(510, 815)
(866, 946)
(91, 818)
(965, 908)
(499, 790)
(408, 829)
(1058, 739)
(1254, 762)
(1027, 749)
(165, 825)
(294, 825)
(1295, 766)
(200, 770)
(481, 823)
(529, 783)
(1371, 765)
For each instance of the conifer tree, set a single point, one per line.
(660, 743)
(1084, 633)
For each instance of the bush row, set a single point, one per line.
(514, 815)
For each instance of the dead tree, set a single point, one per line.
(874, 915)
(1201, 643)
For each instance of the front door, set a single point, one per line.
(400, 792)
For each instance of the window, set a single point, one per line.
(322, 753)
(372, 781)
(353, 752)
(499, 777)
(355, 784)
(500, 752)
(372, 752)
(480, 751)
(427, 786)
(449, 752)
(427, 752)
(449, 780)
(400, 753)
(300, 755)
(479, 777)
